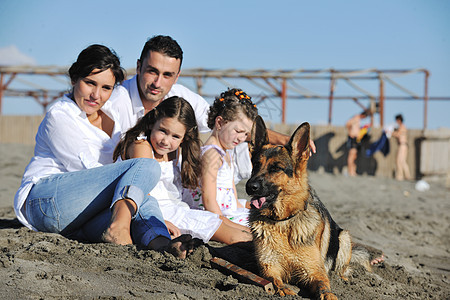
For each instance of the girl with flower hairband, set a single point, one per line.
(169, 135)
(231, 119)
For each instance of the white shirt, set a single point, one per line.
(126, 100)
(65, 142)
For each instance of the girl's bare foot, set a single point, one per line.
(119, 236)
(118, 231)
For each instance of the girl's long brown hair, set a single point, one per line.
(173, 107)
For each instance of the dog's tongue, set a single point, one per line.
(257, 203)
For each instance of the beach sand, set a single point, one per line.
(411, 227)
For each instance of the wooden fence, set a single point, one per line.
(428, 155)
(19, 129)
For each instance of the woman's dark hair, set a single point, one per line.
(173, 107)
(228, 105)
(96, 57)
(399, 117)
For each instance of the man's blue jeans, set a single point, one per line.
(78, 204)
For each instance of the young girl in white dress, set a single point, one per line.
(161, 134)
(231, 119)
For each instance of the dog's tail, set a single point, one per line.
(363, 255)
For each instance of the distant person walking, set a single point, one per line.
(353, 142)
(400, 133)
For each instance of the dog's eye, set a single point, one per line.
(275, 168)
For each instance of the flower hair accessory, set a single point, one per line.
(228, 97)
(243, 97)
(193, 128)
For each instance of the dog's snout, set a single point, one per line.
(252, 187)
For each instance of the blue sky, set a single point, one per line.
(384, 34)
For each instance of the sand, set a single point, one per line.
(411, 227)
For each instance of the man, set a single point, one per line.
(353, 143)
(157, 72)
(400, 133)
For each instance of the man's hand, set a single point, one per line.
(312, 147)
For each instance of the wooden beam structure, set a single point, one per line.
(262, 85)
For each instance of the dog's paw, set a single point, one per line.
(285, 291)
(282, 289)
(328, 296)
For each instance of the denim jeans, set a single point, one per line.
(78, 204)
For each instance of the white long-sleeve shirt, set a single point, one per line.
(65, 142)
(126, 100)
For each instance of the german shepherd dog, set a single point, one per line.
(296, 240)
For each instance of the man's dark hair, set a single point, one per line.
(163, 44)
(399, 117)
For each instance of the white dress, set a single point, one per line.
(225, 192)
(198, 223)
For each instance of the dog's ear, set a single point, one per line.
(259, 135)
(299, 143)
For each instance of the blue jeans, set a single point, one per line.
(78, 204)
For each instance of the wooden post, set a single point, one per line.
(199, 82)
(283, 101)
(425, 100)
(1, 92)
(330, 97)
(381, 102)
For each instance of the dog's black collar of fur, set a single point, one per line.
(282, 220)
(290, 217)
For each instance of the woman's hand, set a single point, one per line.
(173, 230)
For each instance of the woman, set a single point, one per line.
(401, 134)
(71, 186)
